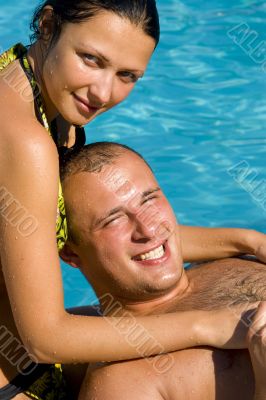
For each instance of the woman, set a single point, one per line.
(87, 57)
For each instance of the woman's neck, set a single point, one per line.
(66, 132)
(36, 58)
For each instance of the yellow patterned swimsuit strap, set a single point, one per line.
(61, 222)
(11, 55)
(18, 52)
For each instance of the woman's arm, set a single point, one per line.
(30, 263)
(202, 244)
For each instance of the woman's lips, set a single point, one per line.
(84, 104)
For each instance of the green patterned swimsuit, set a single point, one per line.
(19, 52)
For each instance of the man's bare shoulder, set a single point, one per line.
(198, 373)
(126, 380)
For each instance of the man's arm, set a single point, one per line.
(202, 244)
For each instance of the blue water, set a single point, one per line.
(200, 109)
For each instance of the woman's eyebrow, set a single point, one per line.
(88, 48)
(104, 58)
(100, 55)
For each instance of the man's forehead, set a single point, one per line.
(127, 176)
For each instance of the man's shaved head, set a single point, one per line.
(93, 157)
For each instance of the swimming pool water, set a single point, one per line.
(199, 110)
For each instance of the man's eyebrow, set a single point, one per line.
(108, 214)
(118, 209)
(148, 192)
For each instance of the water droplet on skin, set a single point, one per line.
(16, 238)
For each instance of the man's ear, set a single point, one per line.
(70, 257)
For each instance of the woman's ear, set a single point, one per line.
(46, 23)
(70, 257)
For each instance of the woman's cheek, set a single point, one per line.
(120, 93)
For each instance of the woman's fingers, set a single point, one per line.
(257, 327)
(256, 339)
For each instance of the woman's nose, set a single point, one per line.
(100, 91)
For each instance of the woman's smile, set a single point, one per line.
(84, 105)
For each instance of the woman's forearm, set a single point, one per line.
(201, 244)
(92, 339)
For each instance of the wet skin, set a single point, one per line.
(93, 67)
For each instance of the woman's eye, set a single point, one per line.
(128, 76)
(91, 58)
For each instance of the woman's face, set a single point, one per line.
(94, 66)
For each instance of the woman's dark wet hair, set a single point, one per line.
(141, 13)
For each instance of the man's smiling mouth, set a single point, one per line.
(151, 255)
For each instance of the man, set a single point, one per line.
(123, 238)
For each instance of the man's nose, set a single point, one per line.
(100, 91)
(144, 228)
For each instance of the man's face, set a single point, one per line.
(127, 242)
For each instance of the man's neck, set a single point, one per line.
(212, 286)
(154, 305)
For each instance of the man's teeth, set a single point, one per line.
(153, 255)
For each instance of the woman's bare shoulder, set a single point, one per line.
(17, 113)
(21, 134)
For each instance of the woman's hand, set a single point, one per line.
(227, 328)
(256, 339)
(260, 250)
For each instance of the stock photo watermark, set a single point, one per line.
(250, 42)
(15, 353)
(136, 335)
(249, 179)
(15, 214)
(14, 77)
